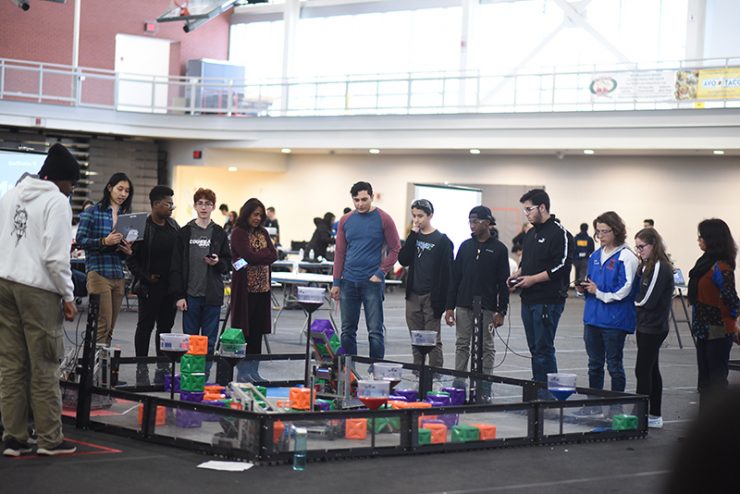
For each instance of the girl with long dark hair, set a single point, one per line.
(653, 302)
(250, 286)
(714, 300)
(106, 250)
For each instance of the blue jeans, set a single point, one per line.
(540, 324)
(602, 345)
(201, 319)
(352, 295)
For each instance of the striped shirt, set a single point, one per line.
(96, 223)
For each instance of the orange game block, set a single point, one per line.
(439, 433)
(213, 389)
(355, 429)
(198, 345)
(300, 398)
(414, 404)
(160, 417)
(487, 431)
(213, 397)
(277, 430)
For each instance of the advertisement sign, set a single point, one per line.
(651, 85)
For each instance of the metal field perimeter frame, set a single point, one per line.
(266, 438)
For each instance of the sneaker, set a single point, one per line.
(63, 448)
(589, 413)
(655, 422)
(32, 437)
(15, 448)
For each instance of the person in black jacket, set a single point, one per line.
(322, 237)
(428, 255)
(583, 248)
(543, 278)
(480, 270)
(201, 257)
(653, 304)
(150, 265)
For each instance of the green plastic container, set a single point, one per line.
(192, 381)
(232, 336)
(624, 422)
(425, 436)
(192, 364)
(465, 433)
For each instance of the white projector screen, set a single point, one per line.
(14, 164)
(451, 208)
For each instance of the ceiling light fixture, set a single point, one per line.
(286, 150)
(475, 151)
(374, 151)
(588, 151)
(232, 168)
(718, 152)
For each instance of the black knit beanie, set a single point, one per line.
(60, 165)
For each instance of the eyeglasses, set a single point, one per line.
(207, 204)
(639, 247)
(529, 209)
(603, 232)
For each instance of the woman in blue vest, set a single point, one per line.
(609, 314)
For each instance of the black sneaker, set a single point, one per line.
(63, 448)
(15, 448)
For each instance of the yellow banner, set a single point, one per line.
(708, 84)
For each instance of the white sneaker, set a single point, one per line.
(655, 422)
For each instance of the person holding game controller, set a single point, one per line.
(543, 279)
(199, 260)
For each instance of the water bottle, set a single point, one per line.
(311, 255)
(299, 449)
(301, 252)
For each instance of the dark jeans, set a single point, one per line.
(540, 324)
(647, 372)
(158, 307)
(712, 358)
(201, 319)
(604, 344)
(352, 296)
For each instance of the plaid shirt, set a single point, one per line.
(96, 223)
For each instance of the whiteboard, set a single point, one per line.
(451, 208)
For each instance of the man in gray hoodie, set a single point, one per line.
(35, 293)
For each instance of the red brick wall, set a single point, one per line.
(44, 33)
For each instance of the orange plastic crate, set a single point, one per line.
(198, 345)
(487, 431)
(439, 433)
(160, 417)
(355, 429)
(300, 398)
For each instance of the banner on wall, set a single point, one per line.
(652, 85)
(708, 84)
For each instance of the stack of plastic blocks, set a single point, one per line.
(193, 365)
(443, 399)
(325, 340)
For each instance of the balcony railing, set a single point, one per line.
(688, 84)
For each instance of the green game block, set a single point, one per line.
(192, 364)
(385, 424)
(192, 382)
(233, 336)
(465, 433)
(425, 436)
(624, 422)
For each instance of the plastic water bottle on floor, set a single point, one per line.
(299, 449)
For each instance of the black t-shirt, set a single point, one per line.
(160, 254)
(424, 262)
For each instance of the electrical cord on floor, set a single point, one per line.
(507, 348)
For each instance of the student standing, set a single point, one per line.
(715, 303)
(35, 294)
(200, 259)
(428, 254)
(609, 313)
(584, 247)
(150, 266)
(106, 251)
(653, 302)
(251, 302)
(480, 270)
(543, 278)
(360, 267)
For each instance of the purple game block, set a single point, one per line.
(409, 394)
(323, 406)
(322, 326)
(449, 419)
(168, 382)
(188, 419)
(457, 395)
(191, 395)
(396, 398)
(438, 400)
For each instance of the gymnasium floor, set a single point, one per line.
(113, 464)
